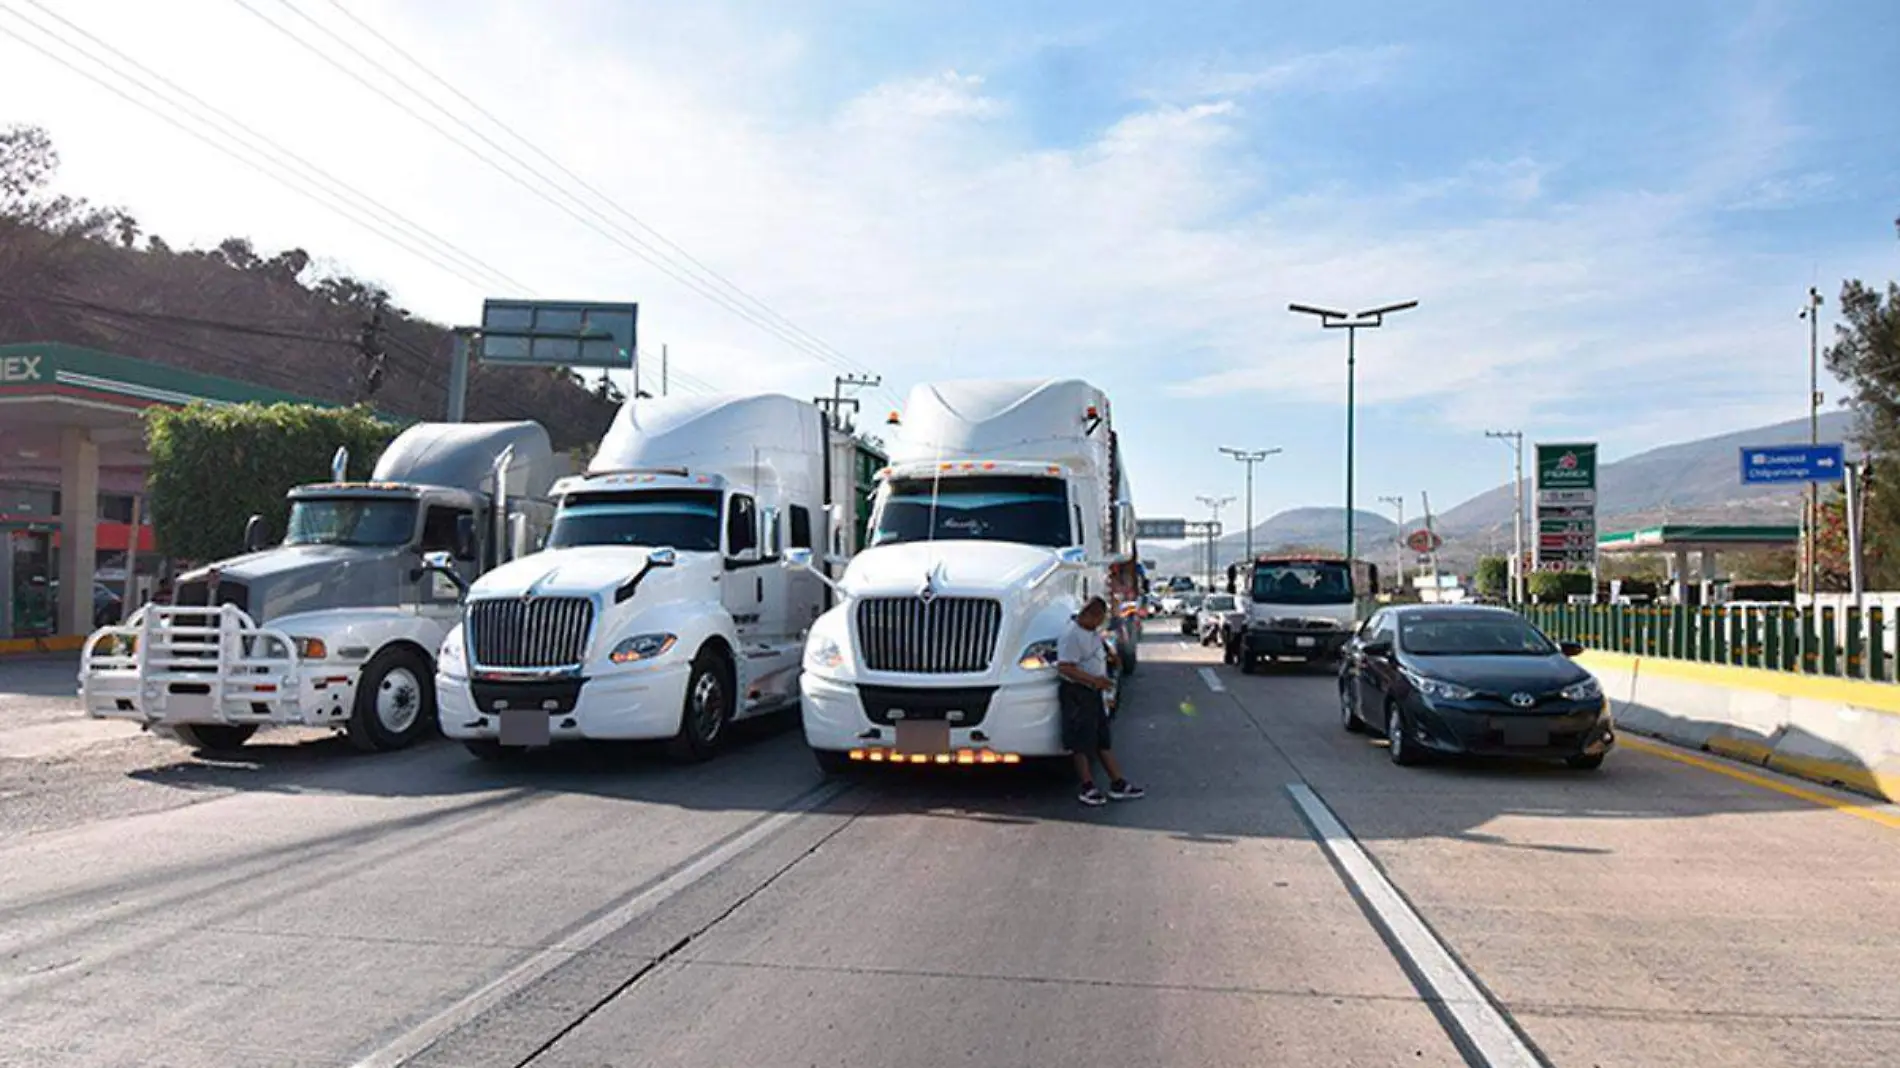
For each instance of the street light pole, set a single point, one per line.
(1372, 318)
(1515, 438)
(1812, 313)
(1214, 505)
(1249, 458)
(1398, 541)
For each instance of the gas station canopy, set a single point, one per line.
(1695, 538)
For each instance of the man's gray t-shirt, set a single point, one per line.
(1083, 648)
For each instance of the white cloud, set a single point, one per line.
(1332, 70)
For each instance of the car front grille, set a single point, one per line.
(541, 632)
(942, 636)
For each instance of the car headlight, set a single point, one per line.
(1038, 655)
(1438, 689)
(641, 647)
(823, 653)
(310, 648)
(1588, 689)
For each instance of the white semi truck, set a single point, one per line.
(658, 609)
(338, 626)
(1004, 507)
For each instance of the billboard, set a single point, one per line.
(1161, 529)
(558, 333)
(1566, 507)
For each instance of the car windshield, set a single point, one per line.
(1302, 583)
(687, 520)
(1472, 635)
(1220, 603)
(1027, 510)
(351, 521)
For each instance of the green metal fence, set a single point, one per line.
(1850, 643)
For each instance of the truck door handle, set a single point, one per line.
(761, 588)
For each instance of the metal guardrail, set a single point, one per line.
(1846, 643)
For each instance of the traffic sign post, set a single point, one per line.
(1161, 529)
(1769, 464)
(1423, 541)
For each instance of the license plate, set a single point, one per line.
(1304, 643)
(524, 726)
(1526, 734)
(923, 736)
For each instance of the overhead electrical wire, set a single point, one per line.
(579, 209)
(336, 204)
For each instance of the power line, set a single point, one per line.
(341, 208)
(177, 320)
(662, 239)
(598, 222)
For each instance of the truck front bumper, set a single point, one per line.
(1020, 719)
(641, 704)
(1261, 642)
(189, 666)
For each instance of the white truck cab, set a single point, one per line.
(657, 609)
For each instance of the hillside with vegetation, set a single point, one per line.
(77, 272)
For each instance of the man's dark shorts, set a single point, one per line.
(1084, 719)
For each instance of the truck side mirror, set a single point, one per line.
(254, 534)
(1073, 556)
(797, 560)
(443, 564)
(465, 538)
(1233, 575)
(662, 557)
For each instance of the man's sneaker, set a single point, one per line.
(1092, 796)
(1125, 791)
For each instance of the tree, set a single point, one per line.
(213, 468)
(1554, 587)
(1493, 575)
(1866, 356)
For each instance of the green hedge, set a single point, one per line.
(1554, 587)
(213, 468)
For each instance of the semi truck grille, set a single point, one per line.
(948, 635)
(537, 633)
(197, 593)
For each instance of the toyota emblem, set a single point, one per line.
(1523, 700)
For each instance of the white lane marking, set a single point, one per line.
(425, 1034)
(1213, 681)
(1485, 1030)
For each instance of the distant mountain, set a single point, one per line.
(1296, 528)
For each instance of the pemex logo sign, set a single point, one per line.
(1567, 467)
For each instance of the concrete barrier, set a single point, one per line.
(1837, 731)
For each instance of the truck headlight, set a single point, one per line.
(453, 653)
(641, 647)
(1038, 655)
(1587, 690)
(823, 653)
(310, 648)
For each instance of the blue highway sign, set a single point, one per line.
(1793, 463)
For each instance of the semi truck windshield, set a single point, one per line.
(1024, 509)
(687, 520)
(1302, 583)
(351, 521)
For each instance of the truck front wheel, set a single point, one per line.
(707, 710)
(395, 701)
(831, 762)
(215, 737)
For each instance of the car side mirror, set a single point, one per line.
(465, 538)
(797, 560)
(443, 563)
(254, 534)
(1382, 647)
(1571, 648)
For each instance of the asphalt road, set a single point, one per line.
(307, 905)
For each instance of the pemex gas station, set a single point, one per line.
(72, 478)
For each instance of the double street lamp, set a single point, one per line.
(1250, 458)
(1214, 505)
(1352, 324)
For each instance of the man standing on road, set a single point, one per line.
(1082, 663)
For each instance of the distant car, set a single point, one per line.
(1190, 611)
(1220, 615)
(1466, 679)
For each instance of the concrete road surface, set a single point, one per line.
(306, 905)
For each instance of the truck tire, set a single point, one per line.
(215, 737)
(707, 710)
(1131, 660)
(832, 762)
(395, 701)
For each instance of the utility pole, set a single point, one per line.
(1398, 540)
(1515, 438)
(839, 400)
(1812, 313)
(1352, 324)
(1214, 505)
(663, 374)
(1249, 458)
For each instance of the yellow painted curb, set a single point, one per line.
(1747, 750)
(1839, 772)
(61, 643)
(1682, 756)
(1872, 696)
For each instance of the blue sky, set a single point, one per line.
(1609, 212)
